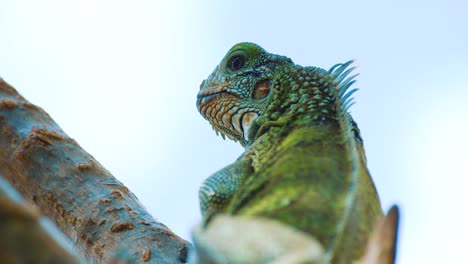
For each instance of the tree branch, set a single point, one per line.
(21, 229)
(85, 201)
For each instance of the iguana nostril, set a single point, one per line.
(202, 84)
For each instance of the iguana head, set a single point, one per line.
(238, 90)
(252, 90)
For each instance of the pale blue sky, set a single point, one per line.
(121, 78)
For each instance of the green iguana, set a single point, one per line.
(304, 165)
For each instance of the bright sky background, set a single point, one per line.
(121, 78)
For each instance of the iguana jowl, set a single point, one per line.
(304, 163)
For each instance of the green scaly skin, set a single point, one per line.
(304, 163)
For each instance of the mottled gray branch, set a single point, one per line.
(103, 218)
(24, 237)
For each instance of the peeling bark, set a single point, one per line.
(84, 200)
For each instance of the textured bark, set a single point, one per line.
(84, 200)
(21, 229)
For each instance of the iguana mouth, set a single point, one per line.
(220, 106)
(226, 116)
(204, 96)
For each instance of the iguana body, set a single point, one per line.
(304, 163)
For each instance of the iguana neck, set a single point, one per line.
(307, 98)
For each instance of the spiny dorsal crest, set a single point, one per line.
(340, 72)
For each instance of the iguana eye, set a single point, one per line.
(236, 62)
